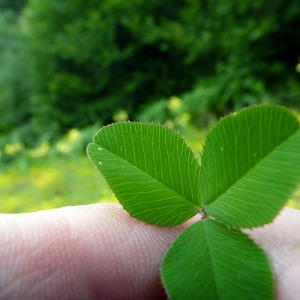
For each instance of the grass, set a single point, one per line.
(51, 183)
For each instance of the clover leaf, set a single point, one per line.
(249, 167)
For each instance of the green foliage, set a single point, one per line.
(249, 167)
(14, 111)
(73, 63)
(13, 5)
(92, 57)
(50, 182)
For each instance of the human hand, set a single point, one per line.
(99, 252)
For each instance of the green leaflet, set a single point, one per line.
(151, 170)
(250, 166)
(209, 261)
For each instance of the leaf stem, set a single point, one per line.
(203, 213)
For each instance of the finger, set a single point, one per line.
(98, 251)
(281, 241)
(84, 252)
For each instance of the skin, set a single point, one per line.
(100, 252)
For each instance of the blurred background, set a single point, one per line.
(69, 67)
